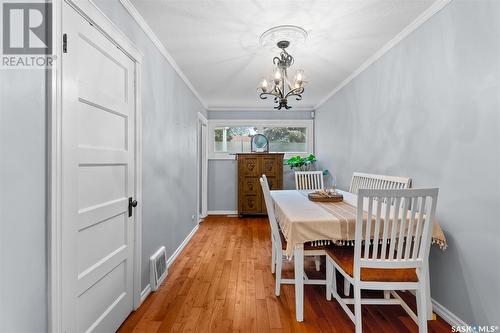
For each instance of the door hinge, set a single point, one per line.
(65, 43)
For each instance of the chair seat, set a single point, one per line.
(307, 246)
(344, 257)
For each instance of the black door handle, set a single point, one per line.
(131, 204)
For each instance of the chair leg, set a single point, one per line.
(329, 279)
(279, 262)
(421, 310)
(357, 309)
(317, 262)
(347, 288)
(273, 258)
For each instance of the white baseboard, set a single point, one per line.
(172, 258)
(447, 315)
(145, 293)
(222, 212)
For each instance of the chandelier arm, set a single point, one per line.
(263, 95)
(296, 91)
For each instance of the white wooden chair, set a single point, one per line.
(366, 180)
(278, 242)
(396, 258)
(309, 180)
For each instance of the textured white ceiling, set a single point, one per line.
(216, 42)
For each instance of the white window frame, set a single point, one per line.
(215, 123)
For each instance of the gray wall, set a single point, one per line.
(23, 272)
(222, 174)
(169, 193)
(430, 109)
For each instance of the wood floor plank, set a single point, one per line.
(222, 282)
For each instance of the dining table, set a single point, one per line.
(320, 223)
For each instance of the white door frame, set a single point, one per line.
(203, 165)
(54, 168)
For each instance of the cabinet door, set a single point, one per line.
(249, 166)
(270, 166)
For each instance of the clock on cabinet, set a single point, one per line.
(259, 144)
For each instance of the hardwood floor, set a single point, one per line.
(222, 282)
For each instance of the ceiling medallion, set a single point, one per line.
(292, 33)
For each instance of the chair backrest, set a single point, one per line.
(365, 180)
(309, 180)
(400, 232)
(270, 210)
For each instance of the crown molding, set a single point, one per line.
(159, 45)
(257, 109)
(421, 19)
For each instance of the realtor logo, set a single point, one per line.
(26, 35)
(27, 28)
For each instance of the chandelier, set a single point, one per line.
(280, 87)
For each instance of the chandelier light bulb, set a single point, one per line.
(299, 76)
(264, 85)
(277, 75)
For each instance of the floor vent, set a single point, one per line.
(158, 268)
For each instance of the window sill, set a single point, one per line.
(233, 157)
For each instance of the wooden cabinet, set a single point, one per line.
(250, 167)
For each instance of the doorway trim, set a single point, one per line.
(93, 14)
(202, 167)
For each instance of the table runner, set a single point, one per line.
(302, 220)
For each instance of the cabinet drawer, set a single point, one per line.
(251, 203)
(250, 185)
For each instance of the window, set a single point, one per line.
(292, 137)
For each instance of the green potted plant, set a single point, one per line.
(298, 163)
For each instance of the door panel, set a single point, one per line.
(95, 301)
(98, 116)
(106, 237)
(101, 184)
(101, 128)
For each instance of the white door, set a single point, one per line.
(98, 179)
(202, 167)
(204, 172)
